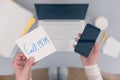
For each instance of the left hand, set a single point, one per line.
(22, 67)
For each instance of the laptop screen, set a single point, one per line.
(61, 11)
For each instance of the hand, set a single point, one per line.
(22, 67)
(92, 58)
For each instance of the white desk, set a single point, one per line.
(97, 8)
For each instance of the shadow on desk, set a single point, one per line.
(73, 74)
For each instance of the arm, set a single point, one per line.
(22, 67)
(90, 63)
(93, 72)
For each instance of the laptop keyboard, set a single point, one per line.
(63, 32)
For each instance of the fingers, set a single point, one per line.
(35, 63)
(22, 62)
(77, 39)
(29, 64)
(18, 58)
(96, 48)
(74, 45)
(19, 55)
(79, 34)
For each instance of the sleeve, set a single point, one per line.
(93, 72)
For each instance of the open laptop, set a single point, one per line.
(62, 22)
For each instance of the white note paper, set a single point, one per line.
(36, 44)
(111, 47)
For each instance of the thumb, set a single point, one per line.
(28, 64)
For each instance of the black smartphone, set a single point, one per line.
(87, 40)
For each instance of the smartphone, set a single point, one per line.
(87, 40)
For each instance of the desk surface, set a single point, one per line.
(96, 8)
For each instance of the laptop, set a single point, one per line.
(62, 22)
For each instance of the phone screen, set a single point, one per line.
(87, 40)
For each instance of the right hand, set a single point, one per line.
(93, 57)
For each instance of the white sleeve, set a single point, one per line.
(93, 72)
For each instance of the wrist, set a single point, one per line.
(91, 69)
(93, 72)
(91, 66)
